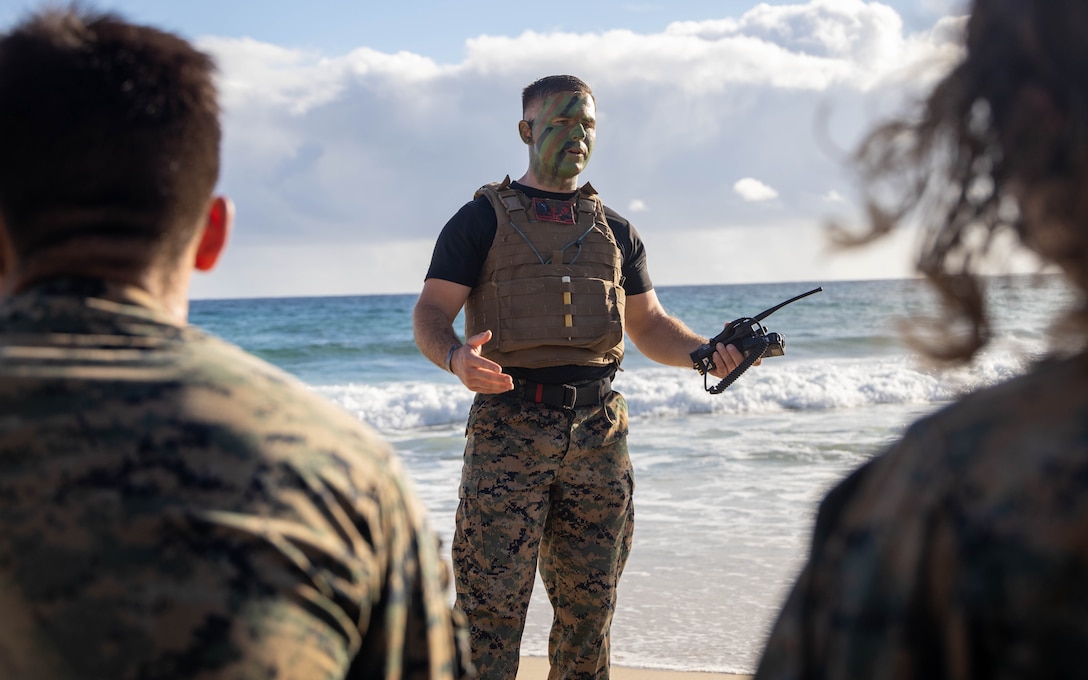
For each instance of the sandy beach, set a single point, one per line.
(536, 668)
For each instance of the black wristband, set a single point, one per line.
(449, 357)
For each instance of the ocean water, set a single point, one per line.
(726, 486)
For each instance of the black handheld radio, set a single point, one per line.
(749, 336)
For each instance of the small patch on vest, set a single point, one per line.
(554, 211)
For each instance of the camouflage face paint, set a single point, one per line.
(563, 134)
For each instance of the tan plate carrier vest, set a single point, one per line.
(550, 288)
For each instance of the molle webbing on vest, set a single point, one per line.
(552, 263)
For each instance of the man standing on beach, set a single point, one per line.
(550, 280)
(170, 506)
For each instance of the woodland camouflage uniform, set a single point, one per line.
(958, 553)
(171, 507)
(554, 481)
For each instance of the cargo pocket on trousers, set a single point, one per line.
(500, 533)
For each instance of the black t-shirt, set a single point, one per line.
(462, 248)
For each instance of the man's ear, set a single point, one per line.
(525, 130)
(213, 239)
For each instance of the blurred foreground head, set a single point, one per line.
(111, 143)
(999, 147)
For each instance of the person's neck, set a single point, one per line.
(559, 186)
(169, 290)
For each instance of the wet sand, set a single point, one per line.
(536, 668)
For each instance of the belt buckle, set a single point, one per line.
(573, 392)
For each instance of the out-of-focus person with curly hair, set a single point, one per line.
(961, 551)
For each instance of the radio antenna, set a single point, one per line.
(763, 315)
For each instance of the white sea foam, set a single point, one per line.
(778, 385)
(403, 405)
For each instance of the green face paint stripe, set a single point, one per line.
(563, 111)
(550, 145)
(547, 115)
(550, 157)
(549, 149)
(570, 105)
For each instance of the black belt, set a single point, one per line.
(566, 396)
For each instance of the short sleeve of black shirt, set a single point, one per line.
(464, 242)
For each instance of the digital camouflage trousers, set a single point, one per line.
(547, 482)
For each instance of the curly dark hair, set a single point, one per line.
(998, 148)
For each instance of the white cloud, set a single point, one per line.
(369, 154)
(754, 191)
(257, 76)
(834, 197)
(865, 33)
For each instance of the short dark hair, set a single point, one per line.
(549, 85)
(110, 130)
(1006, 127)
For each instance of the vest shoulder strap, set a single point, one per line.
(501, 196)
(492, 187)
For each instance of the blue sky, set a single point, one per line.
(437, 29)
(354, 129)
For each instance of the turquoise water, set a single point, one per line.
(726, 485)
